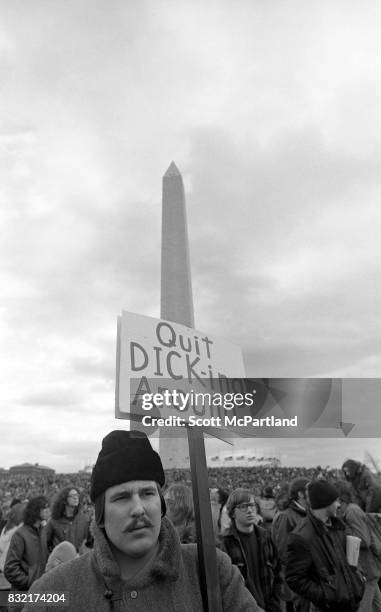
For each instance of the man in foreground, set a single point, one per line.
(137, 562)
(317, 567)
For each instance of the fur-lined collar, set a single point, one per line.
(166, 565)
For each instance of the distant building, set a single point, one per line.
(31, 470)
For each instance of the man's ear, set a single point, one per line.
(162, 500)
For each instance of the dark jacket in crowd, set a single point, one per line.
(317, 568)
(267, 563)
(74, 530)
(284, 522)
(170, 583)
(26, 558)
(359, 526)
(365, 485)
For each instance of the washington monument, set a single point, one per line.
(176, 287)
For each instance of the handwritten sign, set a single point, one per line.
(155, 355)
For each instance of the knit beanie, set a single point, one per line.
(321, 494)
(125, 456)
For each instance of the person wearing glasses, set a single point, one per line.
(250, 548)
(68, 522)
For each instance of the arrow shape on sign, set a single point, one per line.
(346, 428)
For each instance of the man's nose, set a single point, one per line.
(137, 506)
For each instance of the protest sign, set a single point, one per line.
(154, 355)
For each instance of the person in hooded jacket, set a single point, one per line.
(366, 488)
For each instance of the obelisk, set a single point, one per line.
(176, 288)
(177, 306)
(176, 284)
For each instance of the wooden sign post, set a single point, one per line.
(177, 306)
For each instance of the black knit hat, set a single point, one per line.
(125, 456)
(321, 494)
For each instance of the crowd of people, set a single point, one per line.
(284, 531)
(25, 487)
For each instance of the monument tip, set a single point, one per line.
(172, 170)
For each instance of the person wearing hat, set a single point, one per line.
(294, 512)
(316, 565)
(366, 488)
(137, 563)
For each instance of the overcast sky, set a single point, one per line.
(271, 111)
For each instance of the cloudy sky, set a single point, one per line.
(271, 112)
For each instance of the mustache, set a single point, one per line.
(137, 524)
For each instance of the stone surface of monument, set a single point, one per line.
(176, 289)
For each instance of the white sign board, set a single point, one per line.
(155, 355)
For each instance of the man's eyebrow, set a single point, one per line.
(121, 493)
(127, 493)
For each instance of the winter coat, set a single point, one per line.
(26, 558)
(171, 583)
(267, 562)
(365, 485)
(358, 525)
(284, 522)
(74, 530)
(317, 568)
(5, 540)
